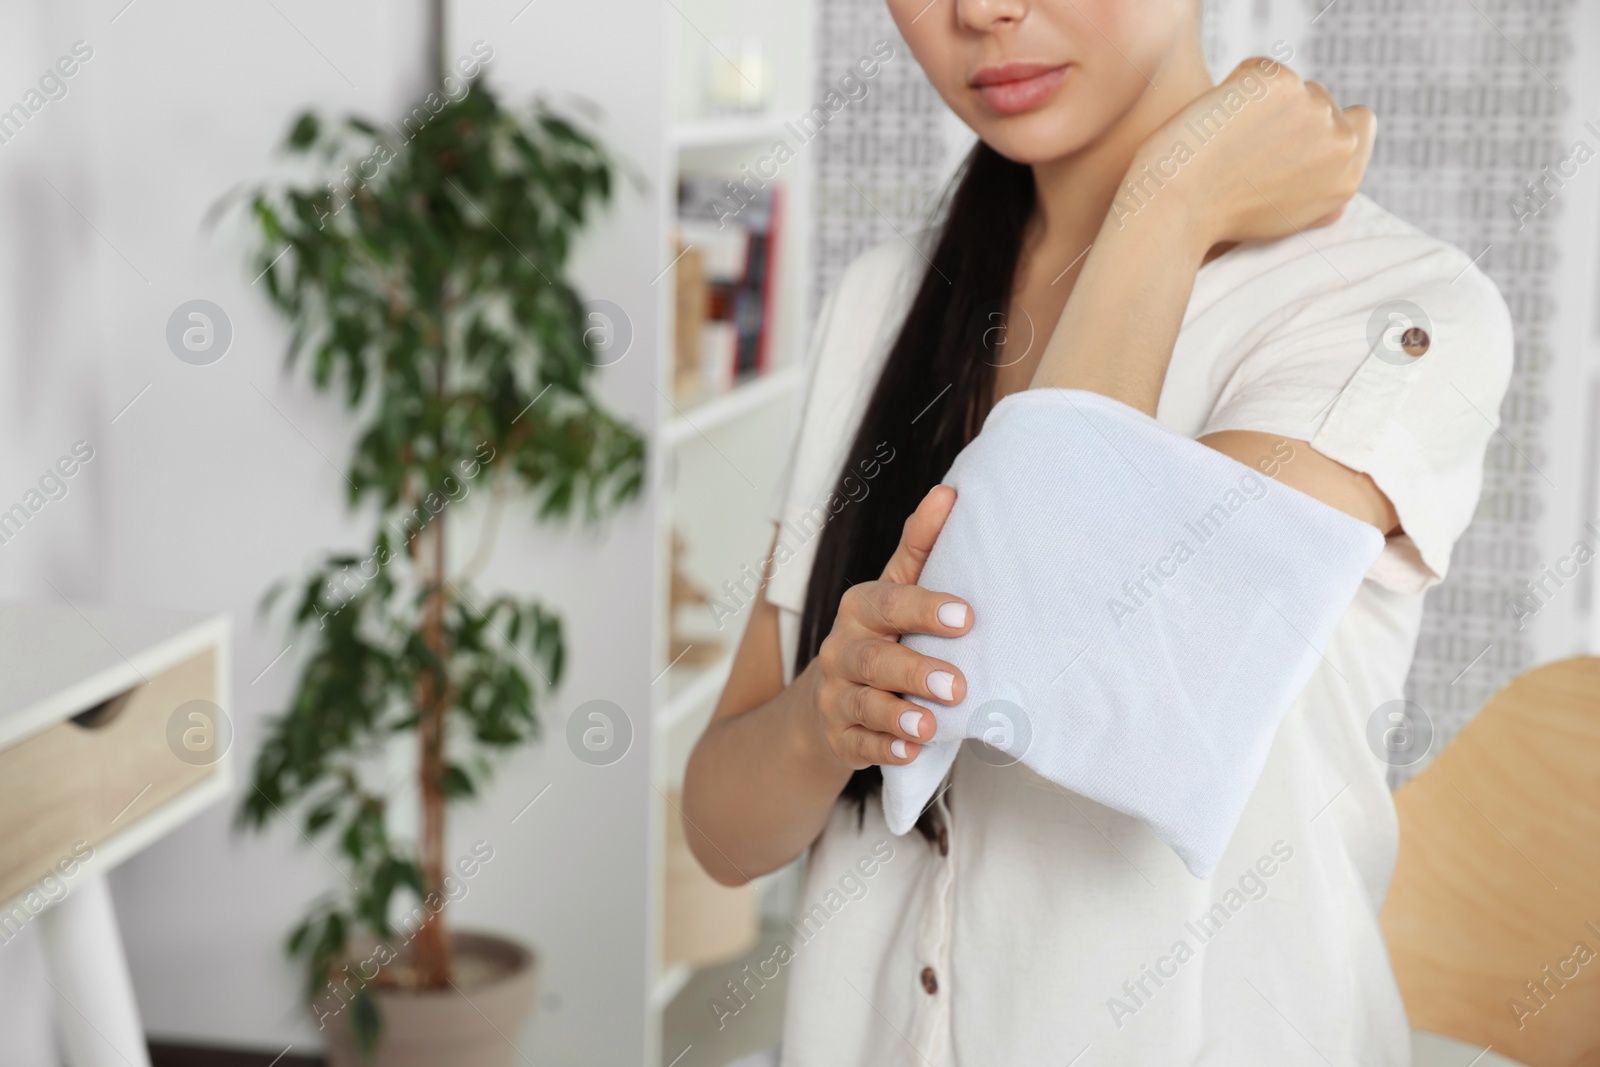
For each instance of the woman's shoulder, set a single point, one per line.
(866, 306)
(1387, 240)
(1371, 250)
(883, 278)
(1358, 277)
(1365, 242)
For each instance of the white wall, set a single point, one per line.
(219, 480)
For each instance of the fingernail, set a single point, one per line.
(942, 684)
(953, 615)
(911, 723)
(898, 747)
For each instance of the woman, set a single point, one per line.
(1202, 259)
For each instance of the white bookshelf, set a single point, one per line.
(710, 415)
(715, 460)
(725, 130)
(669, 985)
(696, 688)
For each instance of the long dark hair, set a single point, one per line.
(934, 392)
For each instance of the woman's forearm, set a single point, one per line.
(760, 786)
(1116, 334)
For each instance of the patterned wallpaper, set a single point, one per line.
(882, 162)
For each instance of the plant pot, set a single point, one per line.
(472, 1025)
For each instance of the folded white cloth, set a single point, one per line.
(1146, 610)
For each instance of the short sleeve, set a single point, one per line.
(1399, 375)
(780, 490)
(778, 504)
(852, 336)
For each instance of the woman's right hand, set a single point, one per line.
(1271, 155)
(861, 669)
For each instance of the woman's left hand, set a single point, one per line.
(1263, 155)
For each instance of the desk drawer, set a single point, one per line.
(78, 783)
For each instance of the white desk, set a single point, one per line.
(109, 738)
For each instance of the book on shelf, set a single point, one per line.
(728, 237)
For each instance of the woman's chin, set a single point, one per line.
(1037, 137)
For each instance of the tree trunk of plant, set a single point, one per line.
(432, 944)
(432, 941)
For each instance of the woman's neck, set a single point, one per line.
(1075, 192)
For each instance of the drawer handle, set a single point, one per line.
(105, 712)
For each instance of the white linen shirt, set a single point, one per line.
(1043, 928)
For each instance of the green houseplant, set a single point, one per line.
(425, 286)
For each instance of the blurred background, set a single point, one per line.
(211, 480)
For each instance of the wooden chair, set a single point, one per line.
(1495, 901)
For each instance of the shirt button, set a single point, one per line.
(1415, 341)
(944, 841)
(930, 981)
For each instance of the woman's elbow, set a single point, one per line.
(712, 859)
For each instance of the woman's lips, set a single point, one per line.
(1017, 87)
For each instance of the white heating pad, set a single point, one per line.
(1146, 610)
